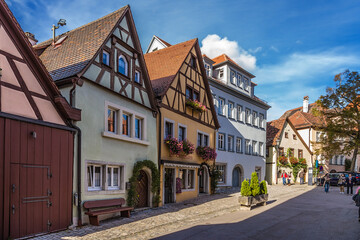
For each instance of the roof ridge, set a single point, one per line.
(82, 26)
(165, 42)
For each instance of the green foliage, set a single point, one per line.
(254, 184)
(215, 176)
(347, 164)
(340, 109)
(155, 184)
(263, 188)
(245, 188)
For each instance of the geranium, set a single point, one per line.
(294, 160)
(174, 145)
(188, 147)
(196, 105)
(206, 153)
(302, 161)
(283, 160)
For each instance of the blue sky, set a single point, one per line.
(294, 48)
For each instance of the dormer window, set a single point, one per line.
(123, 66)
(137, 77)
(233, 77)
(106, 58)
(239, 81)
(193, 62)
(207, 68)
(246, 84)
(221, 73)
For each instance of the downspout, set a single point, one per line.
(159, 144)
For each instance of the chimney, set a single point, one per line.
(31, 38)
(306, 104)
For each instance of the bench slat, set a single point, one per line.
(112, 210)
(104, 203)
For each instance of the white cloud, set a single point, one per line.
(275, 49)
(213, 46)
(256, 50)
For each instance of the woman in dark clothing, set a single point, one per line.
(349, 184)
(327, 182)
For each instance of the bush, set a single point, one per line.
(245, 188)
(254, 185)
(263, 188)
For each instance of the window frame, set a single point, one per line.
(115, 121)
(240, 82)
(254, 147)
(261, 120)
(248, 116)
(261, 149)
(141, 122)
(93, 187)
(254, 118)
(106, 52)
(126, 67)
(231, 111)
(223, 141)
(112, 187)
(203, 135)
(186, 179)
(230, 143)
(240, 150)
(129, 115)
(223, 171)
(172, 129)
(233, 78)
(139, 80)
(239, 113)
(300, 155)
(248, 147)
(222, 107)
(185, 131)
(221, 73)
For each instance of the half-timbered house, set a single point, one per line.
(186, 117)
(36, 140)
(100, 68)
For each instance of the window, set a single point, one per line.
(123, 66)
(300, 153)
(286, 135)
(240, 113)
(254, 119)
(196, 95)
(254, 148)
(182, 133)
(193, 62)
(138, 128)
(230, 143)
(221, 106)
(342, 160)
(221, 168)
(106, 58)
(200, 139)
(206, 140)
(188, 93)
(281, 151)
(294, 136)
(221, 73)
(239, 145)
(207, 68)
(261, 149)
(187, 177)
(169, 129)
(126, 124)
(258, 172)
(247, 146)
(94, 173)
(192, 94)
(113, 177)
(239, 81)
(137, 77)
(261, 120)
(221, 141)
(248, 116)
(291, 154)
(246, 84)
(111, 120)
(233, 77)
(318, 136)
(231, 110)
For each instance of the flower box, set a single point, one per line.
(196, 105)
(251, 201)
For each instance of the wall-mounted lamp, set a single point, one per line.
(33, 134)
(0, 72)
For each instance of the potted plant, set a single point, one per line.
(196, 105)
(253, 193)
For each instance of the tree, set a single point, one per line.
(340, 109)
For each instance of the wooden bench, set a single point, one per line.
(107, 206)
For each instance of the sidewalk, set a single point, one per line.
(159, 221)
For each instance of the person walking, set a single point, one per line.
(289, 179)
(301, 176)
(356, 198)
(327, 182)
(341, 183)
(349, 184)
(284, 176)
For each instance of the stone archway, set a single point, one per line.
(237, 176)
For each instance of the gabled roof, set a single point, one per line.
(163, 41)
(303, 120)
(33, 61)
(165, 63)
(79, 47)
(274, 130)
(225, 58)
(290, 112)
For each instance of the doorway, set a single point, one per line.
(203, 180)
(236, 177)
(142, 190)
(169, 185)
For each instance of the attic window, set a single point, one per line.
(193, 62)
(123, 65)
(221, 73)
(137, 77)
(106, 58)
(60, 41)
(286, 135)
(155, 49)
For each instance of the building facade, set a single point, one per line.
(100, 68)
(178, 79)
(241, 140)
(36, 140)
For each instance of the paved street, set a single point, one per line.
(296, 212)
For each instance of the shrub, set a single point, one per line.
(254, 184)
(263, 188)
(245, 188)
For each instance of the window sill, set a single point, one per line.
(104, 192)
(106, 66)
(221, 115)
(122, 75)
(124, 138)
(231, 118)
(187, 190)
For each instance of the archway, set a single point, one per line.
(237, 176)
(204, 179)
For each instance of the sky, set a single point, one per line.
(294, 48)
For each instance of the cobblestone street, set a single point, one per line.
(153, 223)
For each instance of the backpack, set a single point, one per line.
(356, 199)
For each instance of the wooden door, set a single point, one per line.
(30, 200)
(236, 177)
(142, 190)
(169, 185)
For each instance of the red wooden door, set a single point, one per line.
(30, 200)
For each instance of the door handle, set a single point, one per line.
(13, 188)
(13, 209)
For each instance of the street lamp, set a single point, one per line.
(277, 157)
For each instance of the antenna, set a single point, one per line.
(61, 22)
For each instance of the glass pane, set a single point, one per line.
(111, 120)
(190, 178)
(137, 128)
(206, 139)
(137, 77)
(109, 176)
(188, 93)
(116, 177)
(122, 66)
(196, 95)
(125, 126)
(97, 176)
(90, 175)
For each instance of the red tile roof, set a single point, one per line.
(273, 131)
(165, 63)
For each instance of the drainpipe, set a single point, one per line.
(159, 145)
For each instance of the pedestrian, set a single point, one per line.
(327, 182)
(284, 176)
(349, 184)
(301, 176)
(289, 179)
(341, 183)
(356, 198)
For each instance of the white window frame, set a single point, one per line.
(141, 127)
(254, 148)
(261, 149)
(116, 111)
(93, 187)
(233, 78)
(240, 150)
(247, 146)
(118, 135)
(112, 187)
(231, 110)
(261, 120)
(185, 132)
(248, 115)
(173, 127)
(221, 73)
(230, 143)
(186, 170)
(223, 141)
(255, 119)
(223, 171)
(126, 65)
(130, 117)
(240, 116)
(240, 81)
(222, 106)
